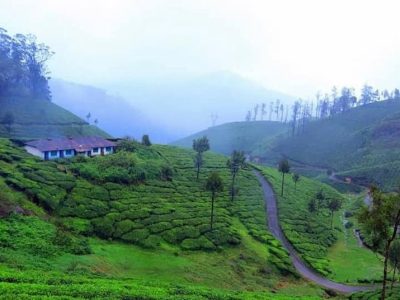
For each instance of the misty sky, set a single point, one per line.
(296, 47)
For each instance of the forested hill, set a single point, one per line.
(26, 110)
(363, 143)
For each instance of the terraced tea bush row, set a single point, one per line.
(148, 212)
(310, 233)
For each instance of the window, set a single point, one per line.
(95, 150)
(108, 149)
(68, 152)
(53, 153)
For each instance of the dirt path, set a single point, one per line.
(301, 267)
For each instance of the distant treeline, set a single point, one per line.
(23, 69)
(324, 106)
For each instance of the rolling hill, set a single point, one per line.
(124, 230)
(37, 118)
(362, 143)
(250, 137)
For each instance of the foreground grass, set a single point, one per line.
(40, 285)
(366, 266)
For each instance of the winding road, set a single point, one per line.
(301, 267)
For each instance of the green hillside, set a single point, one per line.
(362, 143)
(250, 137)
(37, 118)
(138, 227)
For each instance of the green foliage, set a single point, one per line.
(310, 234)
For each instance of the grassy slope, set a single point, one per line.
(256, 263)
(360, 143)
(42, 119)
(325, 249)
(246, 136)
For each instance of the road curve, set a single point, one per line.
(301, 267)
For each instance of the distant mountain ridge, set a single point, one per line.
(114, 114)
(184, 105)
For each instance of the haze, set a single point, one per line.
(295, 47)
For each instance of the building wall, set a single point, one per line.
(34, 151)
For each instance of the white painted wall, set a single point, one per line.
(34, 151)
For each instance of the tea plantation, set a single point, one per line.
(310, 233)
(146, 205)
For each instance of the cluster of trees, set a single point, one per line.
(320, 201)
(214, 183)
(381, 221)
(23, 70)
(324, 106)
(275, 111)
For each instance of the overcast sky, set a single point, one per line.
(295, 46)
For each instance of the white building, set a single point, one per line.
(68, 147)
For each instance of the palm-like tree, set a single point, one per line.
(235, 163)
(284, 168)
(215, 185)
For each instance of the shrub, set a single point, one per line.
(349, 224)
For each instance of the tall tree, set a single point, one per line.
(88, 116)
(320, 197)
(200, 145)
(255, 112)
(271, 110)
(296, 178)
(296, 111)
(146, 140)
(381, 221)
(284, 168)
(394, 259)
(367, 94)
(214, 185)
(277, 105)
(334, 205)
(235, 163)
(263, 111)
(248, 116)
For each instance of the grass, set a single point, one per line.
(36, 118)
(366, 266)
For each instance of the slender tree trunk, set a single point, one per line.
(283, 180)
(198, 171)
(212, 210)
(331, 219)
(394, 275)
(387, 248)
(295, 186)
(233, 186)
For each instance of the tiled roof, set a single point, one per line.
(79, 144)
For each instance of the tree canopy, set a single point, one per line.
(23, 69)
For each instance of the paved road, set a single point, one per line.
(301, 267)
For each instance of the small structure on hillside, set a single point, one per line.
(68, 147)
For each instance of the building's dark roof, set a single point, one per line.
(79, 144)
